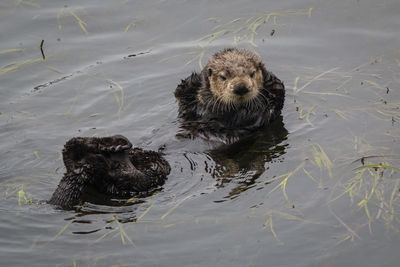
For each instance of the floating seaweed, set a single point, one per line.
(41, 49)
(66, 11)
(246, 29)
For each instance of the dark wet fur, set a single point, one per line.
(111, 166)
(227, 123)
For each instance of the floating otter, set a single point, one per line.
(233, 95)
(109, 164)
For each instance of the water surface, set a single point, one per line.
(319, 187)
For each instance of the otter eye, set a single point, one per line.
(222, 77)
(252, 74)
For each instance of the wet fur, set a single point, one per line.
(204, 113)
(111, 166)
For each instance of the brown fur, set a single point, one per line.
(231, 69)
(111, 166)
(234, 94)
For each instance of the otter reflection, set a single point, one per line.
(244, 162)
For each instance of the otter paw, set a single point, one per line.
(116, 143)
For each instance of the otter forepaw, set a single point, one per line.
(116, 143)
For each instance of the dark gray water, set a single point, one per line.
(318, 188)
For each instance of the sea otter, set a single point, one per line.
(111, 166)
(233, 95)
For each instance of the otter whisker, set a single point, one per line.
(212, 104)
(227, 106)
(233, 105)
(215, 102)
(214, 99)
(223, 106)
(218, 107)
(253, 103)
(264, 97)
(247, 104)
(258, 103)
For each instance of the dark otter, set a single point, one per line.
(109, 164)
(233, 95)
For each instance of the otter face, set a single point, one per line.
(236, 87)
(235, 76)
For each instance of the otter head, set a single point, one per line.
(235, 76)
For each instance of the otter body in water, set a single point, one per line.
(233, 95)
(109, 164)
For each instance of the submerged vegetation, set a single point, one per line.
(246, 29)
(338, 169)
(69, 12)
(242, 30)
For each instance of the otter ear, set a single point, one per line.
(209, 71)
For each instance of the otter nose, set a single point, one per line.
(240, 90)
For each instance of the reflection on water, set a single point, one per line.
(111, 67)
(245, 161)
